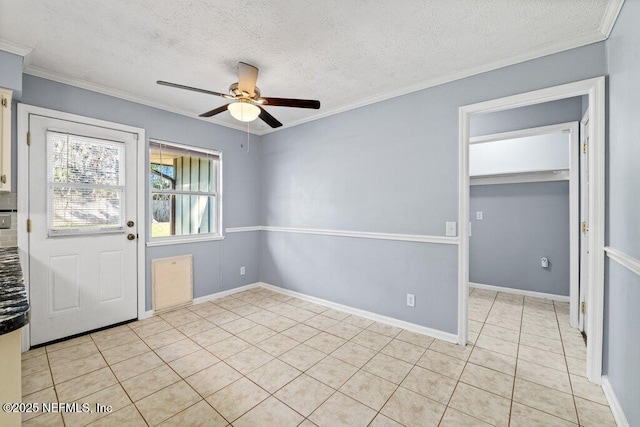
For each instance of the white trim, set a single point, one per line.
(421, 238)
(15, 48)
(435, 333)
(24, 110)
(595, 89)
(146, 315)
(36, 71)
(226, 293)
(574, 224)
(614, 403)
(560, 46)
(519, 178)
(194, 238)
(191, 148)
(521, 133)
(623, 259)
(210, 297)
(610, 16)
(244, 229)
(5, 136)
(178, 241)
(514, 291)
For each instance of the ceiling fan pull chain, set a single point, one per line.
(248, 136)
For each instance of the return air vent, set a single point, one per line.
(172, 282)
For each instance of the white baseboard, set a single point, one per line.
(223, 294)
(210, 297)
(553, 297)
(435, 333)
(146, 315)
(614, 404)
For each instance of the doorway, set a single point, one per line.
(595, 90)
(79, 189)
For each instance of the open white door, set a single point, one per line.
(82, 214)
(584, 223)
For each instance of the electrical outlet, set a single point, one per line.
(479, 215)
(242, 271)
(411, 300)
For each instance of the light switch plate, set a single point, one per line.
(451, 229)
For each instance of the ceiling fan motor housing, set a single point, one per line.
(235, 91)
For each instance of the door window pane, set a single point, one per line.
(85, 184)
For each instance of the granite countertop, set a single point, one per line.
(14, 306)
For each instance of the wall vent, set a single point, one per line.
(171, 282)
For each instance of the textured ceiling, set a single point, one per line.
(345, 53)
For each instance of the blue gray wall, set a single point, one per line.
(521, 224)
(387, 167)
(216, 263)
(11, 73)
(622, 287)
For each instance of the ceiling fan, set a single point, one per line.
(247, 103)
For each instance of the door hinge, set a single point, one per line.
(584, 148)
(3, 179)
(28, 138)
(4, 102)
(583, 307)
(28, 225)
(584, 227)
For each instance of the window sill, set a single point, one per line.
(179, 241)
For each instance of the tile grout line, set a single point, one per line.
(515, 371)
(466, 362)
(377, 352)
(564, 357)
(118, 379)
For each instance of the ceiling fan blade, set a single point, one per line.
(195, 89)
(215, 111)
(269, 119)
(289, 102)
(247, 77)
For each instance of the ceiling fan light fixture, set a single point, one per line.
(244, 111)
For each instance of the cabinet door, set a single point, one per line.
(5, 140)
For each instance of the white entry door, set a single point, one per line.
(82, 212)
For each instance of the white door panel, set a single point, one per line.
(82, 192)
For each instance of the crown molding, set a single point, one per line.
(513, 60)
(105, 90)
(610, 16)
(611, 13)
(15, 48)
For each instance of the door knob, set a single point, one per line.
(130, 223)
(131, 236)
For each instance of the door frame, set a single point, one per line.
(578, 316)
(595, 90)
(24, 111)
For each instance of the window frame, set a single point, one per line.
(186, 238)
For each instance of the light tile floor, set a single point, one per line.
(260, 358)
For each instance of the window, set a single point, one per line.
(85, 185)
(184, 186)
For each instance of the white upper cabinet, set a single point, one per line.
(5, 139)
